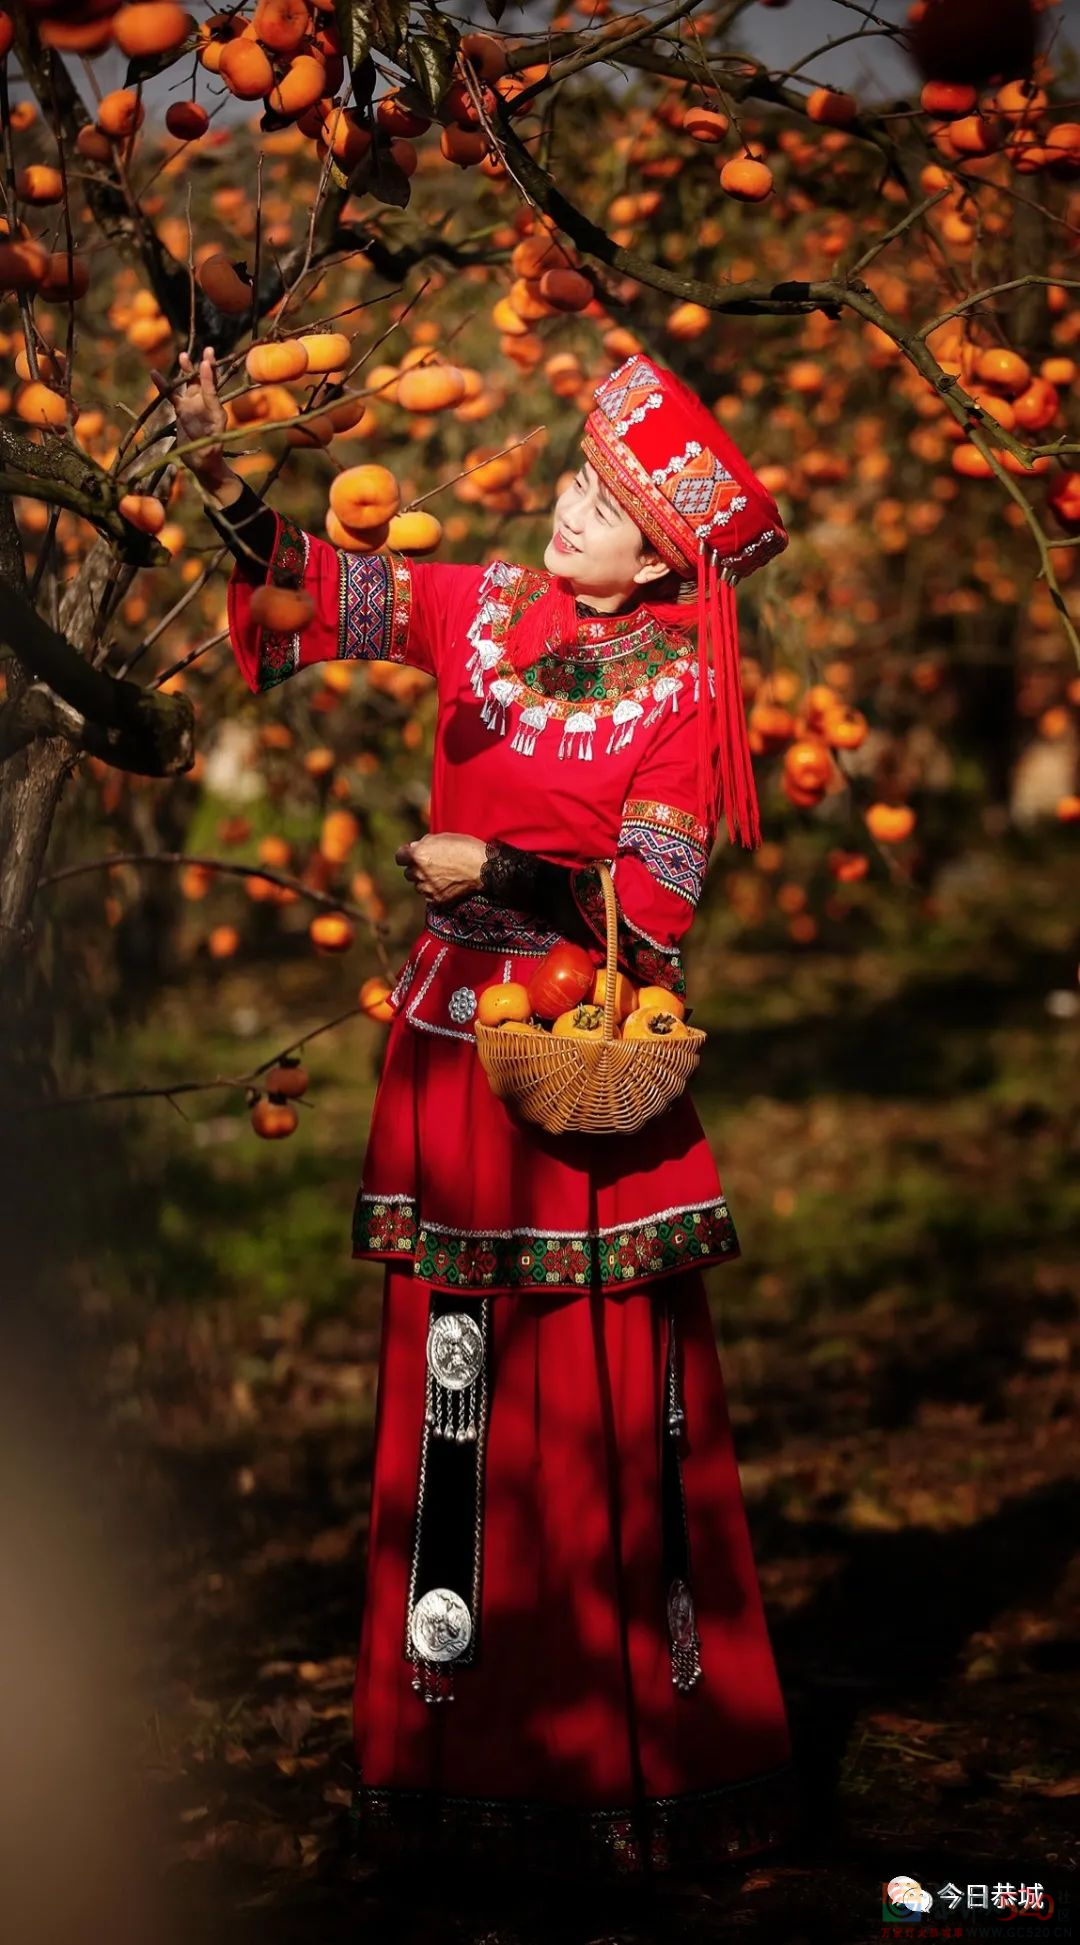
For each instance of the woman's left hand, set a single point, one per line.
(443, 865)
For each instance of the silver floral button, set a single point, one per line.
(462, 1004)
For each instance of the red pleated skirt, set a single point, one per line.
(567, 1741)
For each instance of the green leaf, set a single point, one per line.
(387, 181)
(367, 24)
(354, 25)
(431, 55)
(391, 19)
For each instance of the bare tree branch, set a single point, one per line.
(133, 728)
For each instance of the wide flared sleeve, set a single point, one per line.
(660, 861)
(364, 607)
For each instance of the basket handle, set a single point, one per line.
(611, 921)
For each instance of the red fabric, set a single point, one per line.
(443, 601)
(434, 1108)
(571, 1699)
(434, 1105)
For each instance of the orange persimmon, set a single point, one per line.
(283, 610)
(653, 996)
(584, 1022)
(507, 1001)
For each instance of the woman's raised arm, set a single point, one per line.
(293, 598)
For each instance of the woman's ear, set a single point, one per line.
(652, 569)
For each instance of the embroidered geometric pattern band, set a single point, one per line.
(730, 1821)
(366, 608)
(474, 921)
(279, 654)
(668, 817)
(628, 393)
(617, 466)
(649, 962)
(673, 861)
(442, 1608)
(530, 1259)
(401, 576)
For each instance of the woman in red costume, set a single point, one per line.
(558, 1557)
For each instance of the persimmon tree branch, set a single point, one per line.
(132, 728)
(758, 296)
(167, 1091)
(609, 45)
(227, 866)
(60, 474)
(993, 290)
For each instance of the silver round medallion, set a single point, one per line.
(462, 1004)
(455, 1349)
(440, 1625)
(680, 1614)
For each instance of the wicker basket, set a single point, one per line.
(605, 1086)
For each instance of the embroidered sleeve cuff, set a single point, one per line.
(647, 961)
(672, 844)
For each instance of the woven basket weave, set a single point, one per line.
(605, 1086)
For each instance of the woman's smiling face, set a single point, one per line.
(595, 545)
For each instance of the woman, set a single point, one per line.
(558, 1546)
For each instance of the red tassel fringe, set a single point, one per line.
(730, 786)
(548, 622)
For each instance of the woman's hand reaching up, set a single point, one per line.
(199, 415)
(443, 865)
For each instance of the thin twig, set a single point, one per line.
(168, 1091)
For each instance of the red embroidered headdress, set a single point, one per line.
(687, 486)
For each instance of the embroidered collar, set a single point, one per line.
(625, 633)
(617, 660)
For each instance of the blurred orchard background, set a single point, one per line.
(852, 229)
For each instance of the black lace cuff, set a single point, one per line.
(248, 528)
(529, 883)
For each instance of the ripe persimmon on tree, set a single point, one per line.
(414, 238)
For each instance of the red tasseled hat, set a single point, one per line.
(695, 498)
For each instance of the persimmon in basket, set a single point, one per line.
(584, 1022)
(653, 1023)
(625, 994)
(560, 980)
(659, 996)
(500, 1004)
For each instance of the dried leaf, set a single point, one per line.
(950, 1775)
(292, 1720)
(904, 1725)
